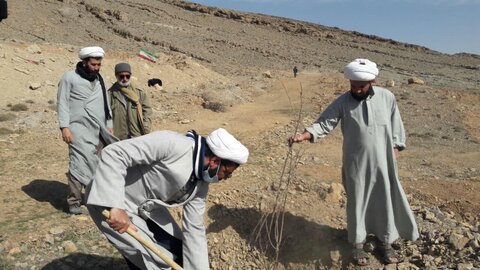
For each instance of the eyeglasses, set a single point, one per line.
(126, 76)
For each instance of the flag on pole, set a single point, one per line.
(147, 56)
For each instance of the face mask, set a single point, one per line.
(210, 179)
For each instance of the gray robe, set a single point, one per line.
(372, 128)
(140, 175)
(80, 107)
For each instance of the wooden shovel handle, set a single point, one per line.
(148, 244)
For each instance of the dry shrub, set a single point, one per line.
(214, 106)
(6, 117)
(218, 100)
(30, 101)
(6, 131)
(19, 107)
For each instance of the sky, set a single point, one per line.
(448, 26)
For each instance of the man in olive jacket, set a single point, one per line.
(131, 110)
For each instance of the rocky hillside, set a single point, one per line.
(229, 42)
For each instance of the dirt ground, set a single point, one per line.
(440, 167)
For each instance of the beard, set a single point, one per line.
(90, 71)
(124, 84)
(362, 95)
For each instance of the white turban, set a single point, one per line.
(361, 70)
(225, 146)
(91, 52)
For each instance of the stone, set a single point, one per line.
(49, 83)
(335, 193)
(415, 80)
(20, 265)
(330, 36)
(81, 217)
(391, 266)
(335, 256)
(185, 121)
(224, 256)
(267, 74)
(69, 247)
(24, 71)
(458, 241)
(406, 266)
(68, 12)
(429, 216)
(56, 231)
(464, 266)
(475, 244)
(35, 85)
(49, 239)
(390, 83)
(15, 250)
(300, 188)
(34, 49)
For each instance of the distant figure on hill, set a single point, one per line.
(84, 116)
(373, 136)
(139, 179)
(131, 110)
(295, 71)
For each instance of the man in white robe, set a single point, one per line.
(83, 115)
(373, 135)
(138, 179)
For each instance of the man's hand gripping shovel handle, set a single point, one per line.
(148, 244)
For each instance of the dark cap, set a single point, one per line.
(122, 67)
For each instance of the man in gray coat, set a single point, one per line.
(83, 114)
(138, 179)
(373, 135)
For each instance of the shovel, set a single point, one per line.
(148, 244)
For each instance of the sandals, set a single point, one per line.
(389, 255)
(360, 257)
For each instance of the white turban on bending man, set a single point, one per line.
(361, 70)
